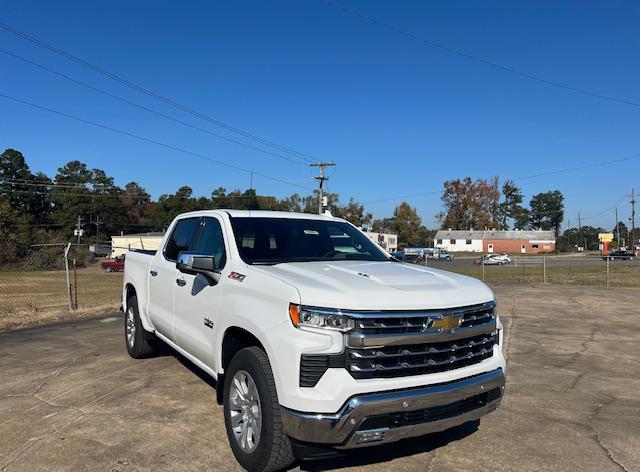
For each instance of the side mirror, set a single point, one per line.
(195, 263)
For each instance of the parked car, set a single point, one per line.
(619, 256)
(115, 265)
(491, 259)
(440, 254)
(502, 257)
(303, 337)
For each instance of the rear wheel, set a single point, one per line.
(252, 414)
(140, 343)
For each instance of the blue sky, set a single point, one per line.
(397, 116)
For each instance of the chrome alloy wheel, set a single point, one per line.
(130, 328)
(245, 411)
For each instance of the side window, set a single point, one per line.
(181, 238)
(211, 242)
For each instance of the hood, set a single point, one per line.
(365, 285)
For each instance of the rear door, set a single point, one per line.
(196, 302)
(163, 274)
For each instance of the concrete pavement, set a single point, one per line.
(71, 398)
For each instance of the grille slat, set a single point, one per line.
(416, 322)
(419, 350)
(415, 359)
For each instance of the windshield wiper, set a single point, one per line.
(265, 263)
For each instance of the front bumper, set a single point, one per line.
(376, 418)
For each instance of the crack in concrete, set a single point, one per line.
(432, 459)
(576, 355)
(82, 413)
(56, 373)
(73, 389)
(597, 437)
(511, 323)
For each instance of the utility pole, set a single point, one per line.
(97, 223)
(618, 228)
(321, 179)
(79, 229)
(633, 221)
(584, 245)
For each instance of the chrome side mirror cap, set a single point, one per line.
(196, 263)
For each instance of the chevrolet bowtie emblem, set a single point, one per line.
(447, 322)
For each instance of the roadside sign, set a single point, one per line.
(605, 237)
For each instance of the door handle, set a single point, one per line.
(181, 282)
(153, 273)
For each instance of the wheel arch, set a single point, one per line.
(234, 339)
(129, 291)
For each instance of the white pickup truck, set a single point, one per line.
(317, 338)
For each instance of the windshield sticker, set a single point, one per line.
(312, 232)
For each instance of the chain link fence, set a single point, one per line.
(589, 270)
(51, 281)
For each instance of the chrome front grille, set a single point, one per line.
(386, 344)
(415, 322)
(397, 361)
(395, 344)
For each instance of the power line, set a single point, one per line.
(481, 60)
(147, 109)
(527, 177)
(129, 196)
(155, 95)
(399, 197)
(586, 166)
(152, 141)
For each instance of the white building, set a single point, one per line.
(460, 240)
(497, 241)
(122, 243)
(387, 241)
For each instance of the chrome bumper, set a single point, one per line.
(349, 427)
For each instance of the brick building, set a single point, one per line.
(496, 241)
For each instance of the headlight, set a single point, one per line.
(323, 318)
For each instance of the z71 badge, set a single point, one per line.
(237, 276)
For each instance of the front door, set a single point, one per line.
(490, 248)
(163, 273)
(196, 301)
(523, 249)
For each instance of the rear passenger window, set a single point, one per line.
(181, 238)
(211, 242)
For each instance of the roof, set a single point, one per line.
(546, 235)
(261, 214)
(138, 235)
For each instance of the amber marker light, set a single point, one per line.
(294, 314)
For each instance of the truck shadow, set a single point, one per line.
(387, 452)
(331, 459)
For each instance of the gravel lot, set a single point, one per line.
(71, 399)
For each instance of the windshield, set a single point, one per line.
(276, 240)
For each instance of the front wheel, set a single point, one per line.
(140, 343)
(252, 414)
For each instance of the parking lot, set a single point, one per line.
(71, 398)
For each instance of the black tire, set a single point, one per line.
(273, 450)
(143, 344)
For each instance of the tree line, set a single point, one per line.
(35, 208)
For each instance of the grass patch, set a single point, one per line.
(620, 275)
(31, 297)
